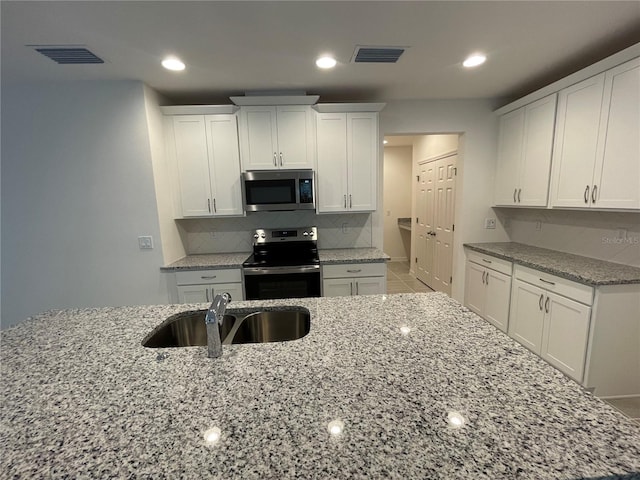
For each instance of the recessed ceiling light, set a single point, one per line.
(326, 62)
(474, 60)
(173, 63)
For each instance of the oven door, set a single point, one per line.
(281, 282)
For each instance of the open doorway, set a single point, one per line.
(418, 209)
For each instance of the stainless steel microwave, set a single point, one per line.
(272, 190)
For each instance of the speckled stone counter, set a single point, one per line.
(352, 255)
(589, 271)
(209, 261)
(82, 398)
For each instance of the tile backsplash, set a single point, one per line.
(611, 236)
(235, 234)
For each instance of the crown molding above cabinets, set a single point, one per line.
(199, 109)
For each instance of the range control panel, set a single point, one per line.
(304, 234)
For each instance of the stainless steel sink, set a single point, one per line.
(273, 326)
(187, 329)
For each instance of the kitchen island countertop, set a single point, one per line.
(82, 398)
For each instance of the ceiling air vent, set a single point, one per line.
(377, 54)
(69, 55)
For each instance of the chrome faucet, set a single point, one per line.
(213, 319)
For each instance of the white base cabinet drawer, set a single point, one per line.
(561, 286)
(354, 270)
(194, 277)
(206, 293)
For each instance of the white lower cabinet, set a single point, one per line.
(488, 288)
(354, 279)
(203, 285)
(551, 317)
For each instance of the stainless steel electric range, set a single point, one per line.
(284, 264)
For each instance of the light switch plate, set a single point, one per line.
(145, 242)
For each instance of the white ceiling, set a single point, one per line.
(233, 47)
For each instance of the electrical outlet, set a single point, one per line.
(145, 243)
(489, 223)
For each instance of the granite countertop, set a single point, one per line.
(585, 270)
(352, 255)
(82, 398)
(209, 261)
(214, 261)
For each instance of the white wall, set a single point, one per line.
(397, 200)
(77, 191)
(477, 147)
(430, 146)
(592, 234)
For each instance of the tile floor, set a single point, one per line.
(629, 406)
(400, 281)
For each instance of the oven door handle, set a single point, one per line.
(280, 270)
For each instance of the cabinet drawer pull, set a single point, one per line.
(540, 301)
(519, 192)
(547, 281)
(546, 305)
(485, 260)
(586, 194)
(593, 194)
(355, 271)
(208, 277)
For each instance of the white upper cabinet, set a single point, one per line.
(274, 137)
(347, 155)
(597, 152)
(524, 154)
(208, 163)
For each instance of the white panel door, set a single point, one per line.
(498, 291)
(362, 155)
(425, 247)
(617, 174)
(295, 145)
(474, 290)
(526, 315)
(337, 287)
(535, 170)
(331, 139)
(259, 138)
(369, 285)
(574, 155)
(193, 164)
(445, 169)
(509, 156)
(565, 336)
(224, 164)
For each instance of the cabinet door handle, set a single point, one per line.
(519, 192)
(483, 274)
(275, 159)
(586, 194)
(206, 291)
(593, 194)
(350, 201)
(546, 305)
(345, 201)
(540, 301)
(281, 162)
(209, 204)
(357, 289)
(355, 271)
(351, 285)
(515, 191)
(208, 277)
(547, 281)
(486, 280)
(215, 209)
